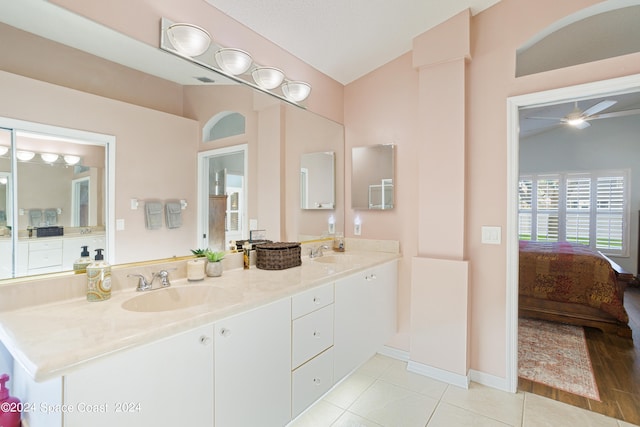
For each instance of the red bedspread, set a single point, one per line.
(569, 272)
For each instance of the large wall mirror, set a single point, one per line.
(372, 180)
(139, 112)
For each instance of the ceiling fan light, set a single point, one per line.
(189, 39)
(575, 122)
(233, 61)
(25, 156)
(267, 77)
(49, 157)
(296, 91)
(71, 160)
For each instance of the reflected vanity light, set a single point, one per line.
(71, 160)
(3, 180)
(267, 77)
(49, 157)
(25, 156)
(189, 39)
(296, 91)
(233, 61)
(3, 150)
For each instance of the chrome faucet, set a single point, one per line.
(317, 252)
(147, 285)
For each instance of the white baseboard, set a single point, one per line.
(394, 353)
(439, 374)
(489, 380)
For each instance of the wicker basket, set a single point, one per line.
(278, 256)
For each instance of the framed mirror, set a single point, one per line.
(372, 177)
(317, 180)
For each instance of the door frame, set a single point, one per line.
(203, 188)
(596, 89)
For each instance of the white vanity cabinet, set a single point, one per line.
(165, 383)
(312, 346)
(365, 315)
(72, 247)
(253, 367)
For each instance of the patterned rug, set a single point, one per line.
(556, 355)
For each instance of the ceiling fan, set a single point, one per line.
(580, 119)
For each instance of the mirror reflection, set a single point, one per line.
(59, 204)
(372, 185)
(317, 180)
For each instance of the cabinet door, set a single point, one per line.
(253, 367)
(365, 316)
(166, 383)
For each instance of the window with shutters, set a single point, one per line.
(589, 208)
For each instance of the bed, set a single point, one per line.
(570, 283)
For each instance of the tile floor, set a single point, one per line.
(382, 393)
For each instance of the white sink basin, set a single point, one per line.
(336, 259)
(173, 298)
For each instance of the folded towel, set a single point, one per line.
(35, 217)
(153, 215)
(51, 216)
(173, 214)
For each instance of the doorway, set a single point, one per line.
(606, 88)
(222, 175)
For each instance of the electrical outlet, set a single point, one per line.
(357, 229)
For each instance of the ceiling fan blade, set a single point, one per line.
(600, 106)
(582, 125)
(556, 119)
(615, 114)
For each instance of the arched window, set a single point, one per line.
(224, 125)
(606, 30)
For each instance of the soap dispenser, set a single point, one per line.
(98, 279)
(80, 265)
(9, 406)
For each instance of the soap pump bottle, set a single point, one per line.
(9, 406)
(98, 279)
(80, 266)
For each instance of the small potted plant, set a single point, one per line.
(214, 264)
(199, 253)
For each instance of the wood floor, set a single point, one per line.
(616, 365)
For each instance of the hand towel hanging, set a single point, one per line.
(153, 215)
(173, 212)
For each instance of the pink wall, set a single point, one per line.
(383, 105)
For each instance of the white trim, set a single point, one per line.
(489, 380)
(394, 353)
(439, 374)
(597, 89)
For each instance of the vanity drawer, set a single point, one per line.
(311, 335)
(310, 381)
(45, 258)
(311, 300)
(45, 245)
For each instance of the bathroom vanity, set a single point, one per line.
(252, 347)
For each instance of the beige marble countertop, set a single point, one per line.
(53, 339)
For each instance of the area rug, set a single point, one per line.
(556, 355)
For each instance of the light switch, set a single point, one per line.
(491, 235)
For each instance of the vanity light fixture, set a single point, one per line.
(267, 77)
(49, 157)
(189, 39)
(296, 91)
(233, 61)
(71, 160)
(25, 156)
(3, 150)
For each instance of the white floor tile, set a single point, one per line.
(393, 406)
(447, 415)
(492, 403)
(349, 390)
(349, 419)
(540, 411)
(397, 374)
(319, 415)
(376, 366)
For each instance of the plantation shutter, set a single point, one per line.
(610, 212)
(547, 218)
(525, 200)
(578, 210)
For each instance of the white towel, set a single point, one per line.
(153, 215)
(51, 216)
(35, 217)
(173, 212)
